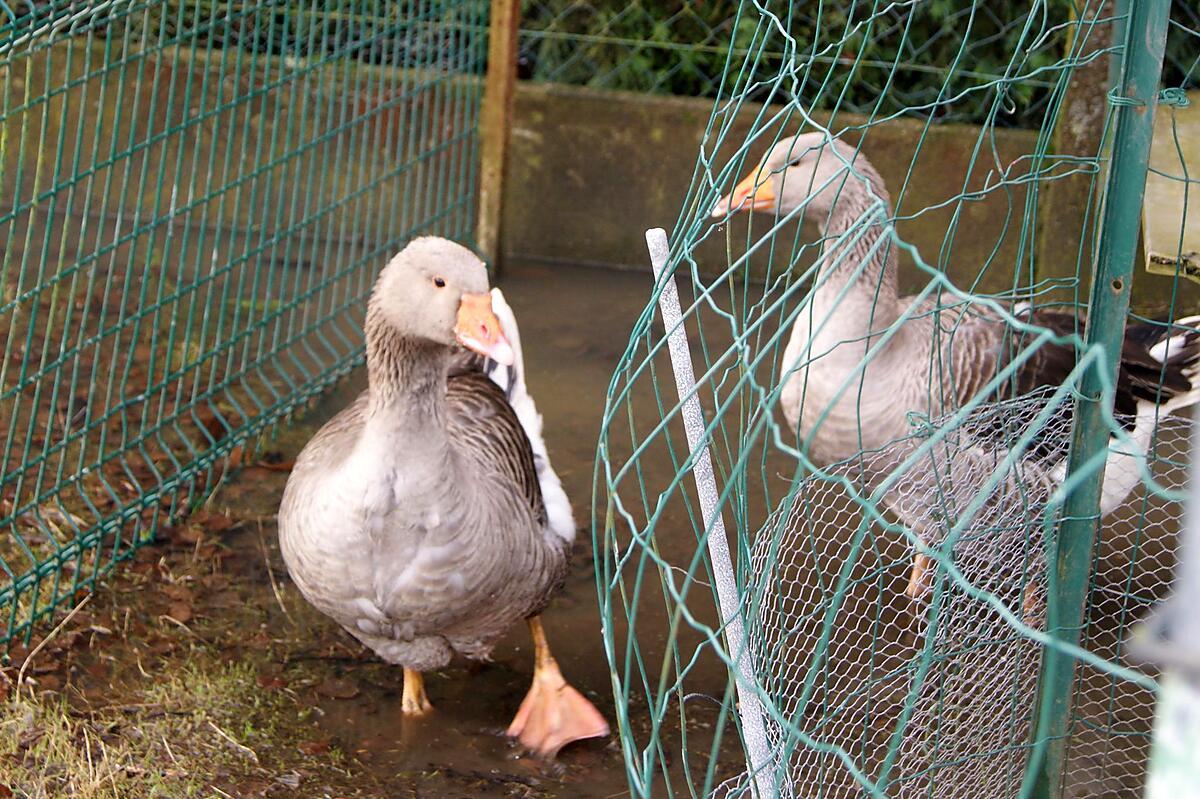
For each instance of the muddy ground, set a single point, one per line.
(198, 669)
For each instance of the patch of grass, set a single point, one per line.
(197, 670)
(207, 729)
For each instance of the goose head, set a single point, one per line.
(803, 170)
(435, 290)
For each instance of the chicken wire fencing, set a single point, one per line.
(195, 197)
(837, 556)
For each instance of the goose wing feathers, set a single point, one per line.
(1145, 375)
(486, 429)
(464, 361)
(1141, 375)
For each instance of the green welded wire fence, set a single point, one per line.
(194, 200)
(920, 57)
(863, 689)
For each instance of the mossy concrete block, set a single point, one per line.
(591, 170)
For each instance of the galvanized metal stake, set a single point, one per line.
(1108, 306)
(758, 751)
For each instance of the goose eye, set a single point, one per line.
(439, 282)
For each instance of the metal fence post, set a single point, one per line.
(1108, 305)
(495, 121)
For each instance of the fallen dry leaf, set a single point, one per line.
(150, 555)
(17, 654)
(207, 551)
(253, 787)
(97, 695)
(161, 646)
(47, 666)
(237, 457)
(49, 682)
(212, 424)
(212, 522)
(225, 599)
(178, 592)
(214, 581)
(186, 534)
(270, 682)
(180, 612)
(314, 747)
(83, 619)
(142, 568)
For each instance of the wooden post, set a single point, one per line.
(1068, 206)
(495, 122)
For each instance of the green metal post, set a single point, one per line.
(1108, 305)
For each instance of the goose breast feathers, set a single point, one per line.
(415, 517)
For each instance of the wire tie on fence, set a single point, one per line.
(920, 423)
(1174, 97)
(1121, 100)
(1006, 99)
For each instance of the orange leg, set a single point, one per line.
(918, 580)
(1032, 607)
(553, 714)
(414, 702)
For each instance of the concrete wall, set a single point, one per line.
(590, 170)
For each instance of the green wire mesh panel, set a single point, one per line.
(194, 200)
(845, 665)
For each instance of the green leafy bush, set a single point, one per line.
(945, 58)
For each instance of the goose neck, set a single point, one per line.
(858, 275)
(407, 380)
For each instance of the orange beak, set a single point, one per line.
(478, 329)
(755, 192)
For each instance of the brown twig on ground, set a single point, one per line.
(41, 644)
(245, 750)
(262, 546)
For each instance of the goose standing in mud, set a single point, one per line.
(421, 518)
